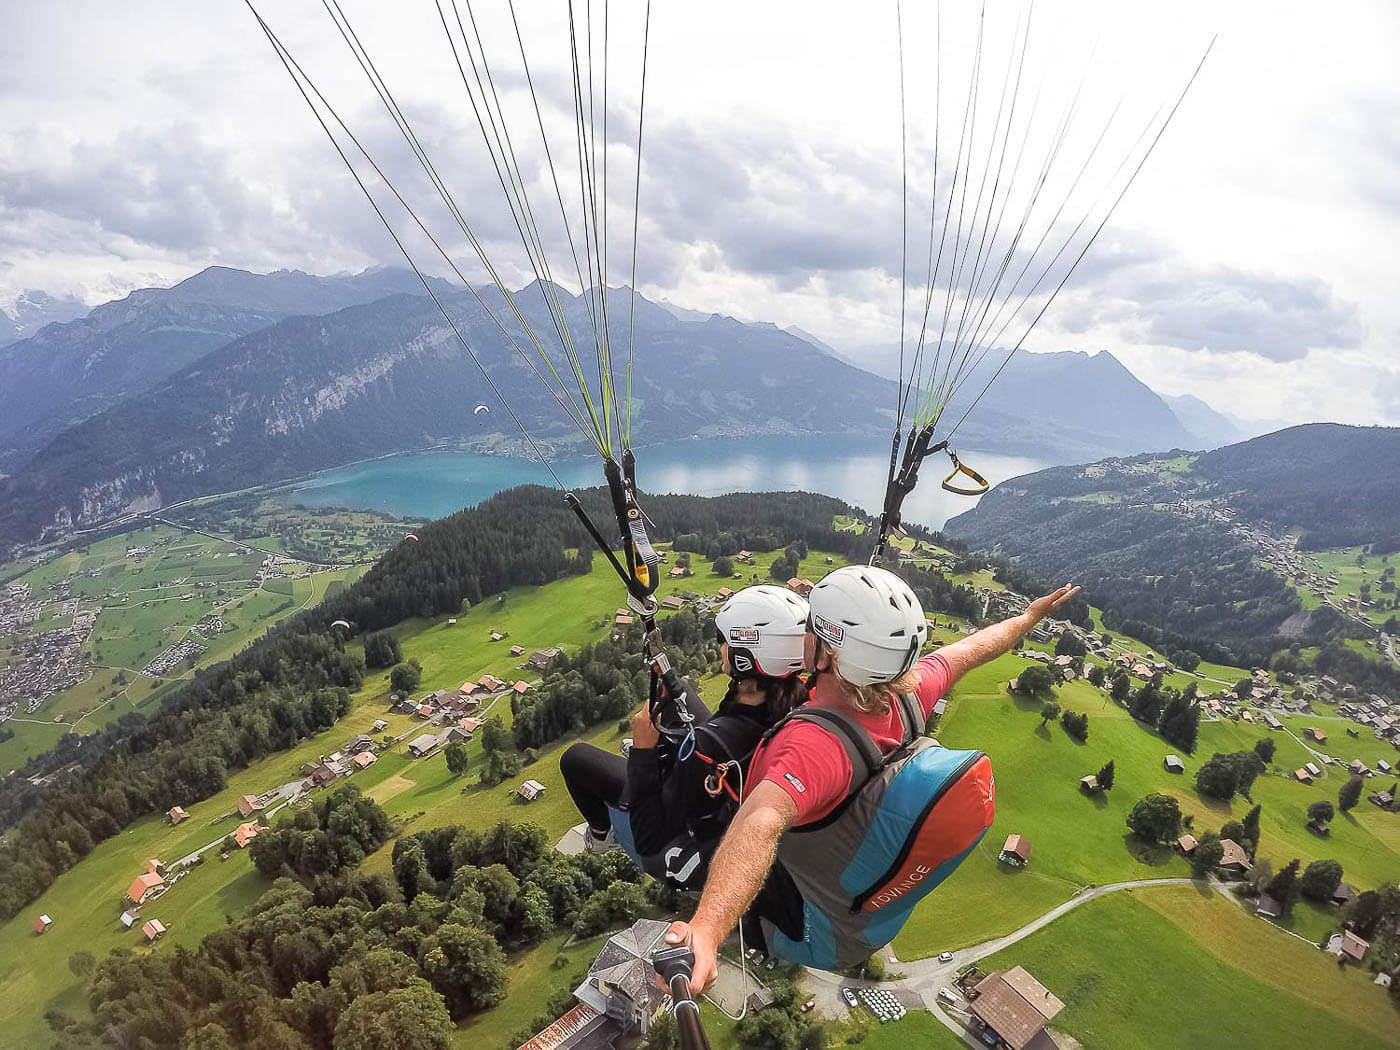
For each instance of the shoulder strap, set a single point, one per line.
(913, 716)
(736, 736)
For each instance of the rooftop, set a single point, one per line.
(1016, 1005)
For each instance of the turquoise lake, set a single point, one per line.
(434, 484)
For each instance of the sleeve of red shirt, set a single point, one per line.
(935, 679)
(810, 765)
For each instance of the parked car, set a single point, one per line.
(945, 957)
(947, 995)
(850, 997)
(807, 1006)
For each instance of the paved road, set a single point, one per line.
(924, 977)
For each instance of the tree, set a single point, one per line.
(1076, 725)
(1320, 813)
(1222, 776)
(382, 650)
(1350, 793)
(1105, 776)
(495, 737)
(409, 1018)
(1156, 818)
(1049, 711)
(1320, 880)
(1185, 659)
(411, 869)
(465, 966)
(1097, 676)
(404, 678)
(1264, 747)
(724, 566)
(1121, 687)
(456, 755)
(1244, 688)
(81, 963)
(1207, 854)
(1070, 644)
(1034, 681)
(782, 569)
(683, 561)
(1283, 885)
(1250, 830)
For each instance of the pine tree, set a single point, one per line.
(1350, 794)
(1283, 885)
(1251, 829)
(1105, 776)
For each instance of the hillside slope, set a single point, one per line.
(65, 373)
(1155, 539)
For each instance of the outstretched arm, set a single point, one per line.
(1000, 638)
(736, 874)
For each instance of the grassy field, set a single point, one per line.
(1167, 967)
(1078, 840)
(1351, 576)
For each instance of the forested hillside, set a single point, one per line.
(1163, 545)
(297, 681)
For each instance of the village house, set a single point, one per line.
(1187, 845)
(421, 745)
(379, 726)
(1014, 1008)
(128, 918)
(517, 650)
(1271, 720)
(743, 556)
(470, 725)
(1343, 894)
(490, 683)
(1016, 851)
(530, 790)
(250, 804)
(1384, 799)
(1268, 908)
(42, 923)
(1347, 945)
(1089, 783)
(1317, 735)
(177, 814)
(540, 659)
(364, 759)
(677, 573)
(143, 887)
(154, 928)
(521, 688)
(497, 636)
(246, 833)
(620, 985)
(673, 601)
(801, 586)
(1313, 769)
(1173, 764)
(358, 743)
(1233, 858)
(1303, 776)
(724, 594)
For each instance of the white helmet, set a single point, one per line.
(872, 619)
(765, 629)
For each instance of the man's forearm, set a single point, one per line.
(986, 645)
(738, 869)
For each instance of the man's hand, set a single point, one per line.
(706, 957)
(644, 733)
(1045, 605)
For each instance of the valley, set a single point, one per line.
(1206, 945)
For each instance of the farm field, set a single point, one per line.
(1351, 576)
(1167, 967)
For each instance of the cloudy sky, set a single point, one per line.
(1252, 263)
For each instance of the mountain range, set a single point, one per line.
(230, 379)
(32, 311)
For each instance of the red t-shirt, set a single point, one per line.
(810, 764)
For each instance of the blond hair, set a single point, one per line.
(871, 699)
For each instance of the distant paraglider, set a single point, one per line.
(479, 409)
(341, 623)
(412, 537)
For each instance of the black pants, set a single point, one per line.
(780, 902)
(596, 779)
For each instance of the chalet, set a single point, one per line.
(1383, 765)
(1247, 716)
(1143, 672)
(1172, 764)
(425, 710)
(379, 726)
(1313, 769)
(421, 745)
(800, 586)
(530, 790)
(1016, 851)
(1384, 799)
(250, 804)
(743, 556)
(517, 650)
(471, 725)
(1271, 720)
(1356, 767)
(1233, 858)
(521, 688)
(364, 759)
(1268, 908)
(246, 833)
(358, 743)
(724, 594)
(321, 775)
(1349, 946)
(1089, 783)
(625, 620)
(620, 985)
(1013, 1008)
(1343, 894)
(143, 887)
(177, 814)
(452, 621)
(42, 923)
(1187, 845)
(1013, 685)
(153, 929)
(1315, 734)
(467, 688)
(540, 659)
(497, 636)
(1303, 776)
(490, 683)
(673, 601)
(678, 573)
(128, 919)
